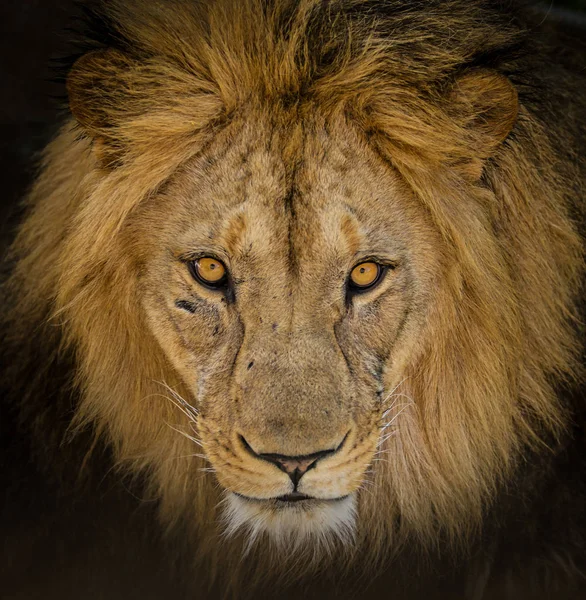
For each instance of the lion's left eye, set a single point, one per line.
(365, 276)
(209, 272)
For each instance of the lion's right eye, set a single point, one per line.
(365, 276)
(208, 271)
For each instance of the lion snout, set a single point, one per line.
(328, 474)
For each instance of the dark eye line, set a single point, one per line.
(186, 305)
(383, 262)
(193, 255)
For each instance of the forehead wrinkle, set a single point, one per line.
(292, 156)
(237, 166)
(320, 202)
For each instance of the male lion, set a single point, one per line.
(299, 280)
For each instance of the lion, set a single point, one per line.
(305, 276)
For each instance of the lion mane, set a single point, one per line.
(469, 105)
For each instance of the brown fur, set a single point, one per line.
(290, 136)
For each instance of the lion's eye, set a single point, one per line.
(209, 271)
(365, 276)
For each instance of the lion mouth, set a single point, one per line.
(292, 498)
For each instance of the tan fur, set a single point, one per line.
(218, 134)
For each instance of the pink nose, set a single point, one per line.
(294, 466)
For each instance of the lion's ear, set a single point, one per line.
(486, 106)
(98, 90)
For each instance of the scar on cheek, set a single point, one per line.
(185, 305)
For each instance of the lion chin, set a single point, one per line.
(291, 526)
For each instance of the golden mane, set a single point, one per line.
(503, 338)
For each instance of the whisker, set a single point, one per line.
(207, 470)
(385, 438)
(189, 416)
(395, 418)
(190, 411)
(380, 452)
(395, 389)
(202, 456)
(367, 483)
(189, 437)
(387, 425)
(364, 485)
(388, 410)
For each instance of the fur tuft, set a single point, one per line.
(292, 529)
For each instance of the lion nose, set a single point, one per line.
(294, 466)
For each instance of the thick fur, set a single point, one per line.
(291, 137)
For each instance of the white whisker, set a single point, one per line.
(387, 425)
(394, 389)
(188, 410)
(393, 405)
(385, 438)
(189, 437)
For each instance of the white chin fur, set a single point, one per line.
(293, 526)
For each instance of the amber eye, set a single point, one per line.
(365, 275)
(209, 271)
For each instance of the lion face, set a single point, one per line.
(290, 365)
(355, 276)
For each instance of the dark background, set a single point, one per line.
(33, 33)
